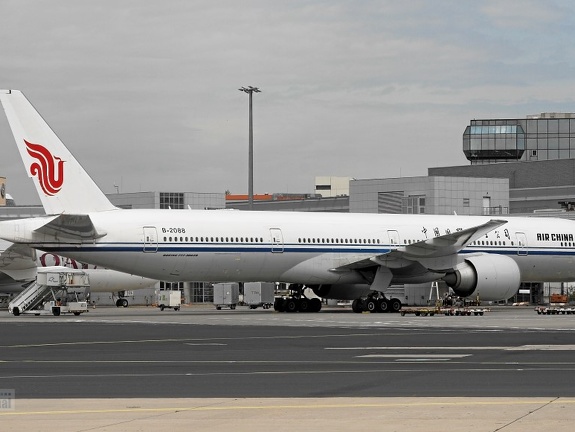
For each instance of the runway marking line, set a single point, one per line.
(542, 347)
(401, 356)
(289, 407)
(182, 340)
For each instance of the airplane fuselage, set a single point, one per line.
(225, 245)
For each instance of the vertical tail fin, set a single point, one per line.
(62, 184)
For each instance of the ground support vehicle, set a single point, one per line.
(56, 290)
(452, 311)
(297, 301)
(169, 299)
(226, 295)
(420, 311)
(258, 294)
(464, 311)
(548, 310)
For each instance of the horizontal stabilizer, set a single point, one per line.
(17, 260)
(20, 251)
(70, 228)
(21, 275)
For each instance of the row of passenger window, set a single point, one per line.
(214, 239)
(261, 240)
(475, 243)
(490, 243)
(337, 241)
(324, 241)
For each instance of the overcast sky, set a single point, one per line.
(145, 93)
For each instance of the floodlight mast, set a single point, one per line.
(250, 90)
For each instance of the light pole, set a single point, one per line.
(250, 90)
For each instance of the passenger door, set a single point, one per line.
(277, 240)
(521, 243)
(150, 239)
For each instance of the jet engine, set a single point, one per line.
(491, 277)
(341, 291)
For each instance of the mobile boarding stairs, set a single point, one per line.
(56, 290)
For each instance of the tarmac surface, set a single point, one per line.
(201, 369)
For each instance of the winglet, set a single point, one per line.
(62, 184)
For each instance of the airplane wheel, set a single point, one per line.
(382, 305)
(370, 306)
(315, 305)
(124, 303)
(356, 306)
(291, 305)
(279, 304)
(395, 305)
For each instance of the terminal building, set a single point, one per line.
(536, 154)
(547, 136)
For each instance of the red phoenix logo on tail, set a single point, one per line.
(48, 168)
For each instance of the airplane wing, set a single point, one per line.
(72, 228)
(433, 248)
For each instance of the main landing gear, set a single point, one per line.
(297, 301)
(376, 302)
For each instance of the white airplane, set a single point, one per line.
(343, 256)
(19, 265)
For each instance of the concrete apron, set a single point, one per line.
(254, 415)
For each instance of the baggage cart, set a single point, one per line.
(258, 294)
(226, 295)
(169, 299)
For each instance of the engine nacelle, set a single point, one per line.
(491, 277)
(340, 291)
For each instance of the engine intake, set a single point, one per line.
(491, 277)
